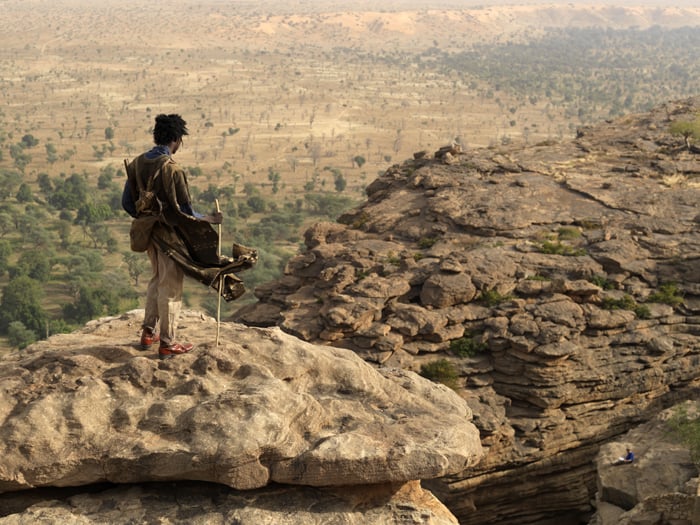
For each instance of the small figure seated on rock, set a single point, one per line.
(627, 458)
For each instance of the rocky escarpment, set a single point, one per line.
(661, 485)
(556, 286)
(239, 432)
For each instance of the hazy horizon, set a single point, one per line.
(292, 6)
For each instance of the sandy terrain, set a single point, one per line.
(294, 89)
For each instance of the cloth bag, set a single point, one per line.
(140, 232)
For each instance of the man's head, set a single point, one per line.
(169, 129)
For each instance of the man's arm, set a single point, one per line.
(184, 200)
(215, 218)
(128, 200)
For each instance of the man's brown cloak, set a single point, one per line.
(191, 242)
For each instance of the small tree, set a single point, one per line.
(19, 335)
(5, 252)
(20, 157)
(339, 181)
(91, 303)
(257, 204)
(24, 194)
(687, 429)
(34, 263)
(686, 129)
(44, 181)
(21, 301)
(29, 141)
(51, 153)
(249, 189)
(70, 193)
(136, 265)
(274, 177)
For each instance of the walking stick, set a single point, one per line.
(221, 282)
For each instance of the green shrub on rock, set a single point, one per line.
(441, 371)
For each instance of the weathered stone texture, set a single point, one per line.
(187, 503)
(660, 486)
(261, 408)
(573, 270)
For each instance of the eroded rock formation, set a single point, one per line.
(559, 283)
(661, 485)
(263, 411)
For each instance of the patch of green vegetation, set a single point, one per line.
(493, 297)
(686, 129)
(568, 233)
(559, 248)
(687, 431)
(668, 293)
(467, 346)
(602, 282)
(441, 371)
(624, 303)
(627, 302)
(581, 65)
(418, 256)
(427, 242)
(642, 311)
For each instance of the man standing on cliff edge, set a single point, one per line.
(156, 173)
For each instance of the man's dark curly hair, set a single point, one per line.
(169, 128)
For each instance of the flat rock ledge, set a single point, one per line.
(261, 408)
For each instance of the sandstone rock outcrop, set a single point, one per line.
(660, 486)
(560, 281)
(262, 409)
(184, 503)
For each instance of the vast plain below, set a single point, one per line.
(303, 97)
(296, 87)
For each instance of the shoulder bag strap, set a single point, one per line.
(131, 174)
(151, 181)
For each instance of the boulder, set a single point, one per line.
(261, 408)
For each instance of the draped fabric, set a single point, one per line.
(189, 241)
(193, 245)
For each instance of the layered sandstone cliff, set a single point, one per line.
(661, 485)
(557, 285)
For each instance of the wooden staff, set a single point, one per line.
(221, 282)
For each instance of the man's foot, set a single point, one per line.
(166, 351)
(147, 339)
